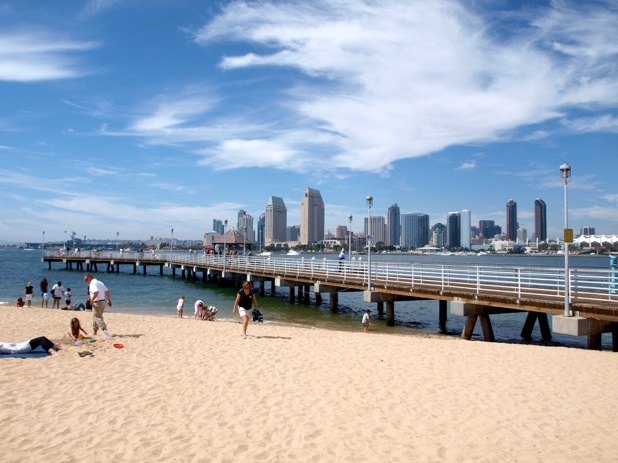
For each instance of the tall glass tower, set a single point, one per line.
(393, 219)
(276, 218)
(311, 217)
(511, 220)
(540, 220)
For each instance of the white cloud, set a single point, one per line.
(35, 55)
(468, 165)
(406, 79)
(603, 123)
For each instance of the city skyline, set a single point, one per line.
(130, 119)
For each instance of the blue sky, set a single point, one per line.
(133, 118)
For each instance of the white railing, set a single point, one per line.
(542, 283)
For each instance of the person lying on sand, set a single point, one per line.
(27, 347)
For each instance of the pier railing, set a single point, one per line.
(588, 285)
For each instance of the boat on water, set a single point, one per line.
(291, 252)
(265, 253)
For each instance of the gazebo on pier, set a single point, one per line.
(233, 238)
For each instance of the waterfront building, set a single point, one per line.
(488, 229)
(377, 229)
(341, 232)
(438, 232)
(540, 220)
(260, 230)
(276, 217)
(511, 220)
(292, 233)
(217, 226)
(393, 221)
(453, 233)
(244, 224)
(414, 230)
(522, 235)
(586, 231)
(311, 217)
(464, 228)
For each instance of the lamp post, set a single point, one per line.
(43, 242)
(565, 173)
(172, 244)
(117, 238)
(369, 205)
(244, 240)
(224, 253)
(350, 237)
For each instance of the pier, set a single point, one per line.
(476, 292)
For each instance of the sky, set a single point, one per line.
(129, 119)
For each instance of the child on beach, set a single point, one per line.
(180, 305)
(365, 321)
(67, 299)
(76, 330)
(46, 299)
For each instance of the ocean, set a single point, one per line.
(157, 295)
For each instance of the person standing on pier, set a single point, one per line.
(99, 297)
(245, 299)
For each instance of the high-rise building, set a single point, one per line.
(453, 233)
(311, 217)
(414, 230)
(511, 220)
(464, 229)
(377, 229)
(217, 226)
(260, 230)
(486, 228)
(393, 220)
(275, 221)
(341, 232)
(439, 235)
(522, 235)
(292, 233)
(540, 220)
(587, 231)
(244, 224)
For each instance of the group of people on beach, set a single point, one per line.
(57, 293)
(99, 298)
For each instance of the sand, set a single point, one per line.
(183, 390)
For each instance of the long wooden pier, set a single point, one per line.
(473, 291)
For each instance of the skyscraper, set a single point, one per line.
(439, 235)
(511, 220)
(311, 217)
(540, 220)
(377, 229)
(261, 229)
(275, 221)
(464, 228)
(393, 219)
(453, 233)
(414, 230)
(217, 226)
(245, 224)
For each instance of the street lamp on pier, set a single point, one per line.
(565, 173)
(172, 243)
(117, 242)
(224, 252)
(43, 241)
(369, 205)
(350, 237)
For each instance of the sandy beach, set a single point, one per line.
(191, 391)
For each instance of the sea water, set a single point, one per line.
(157, 295)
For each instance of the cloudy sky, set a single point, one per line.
(133, 118)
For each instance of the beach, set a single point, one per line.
(184, 390)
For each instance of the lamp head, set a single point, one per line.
(225, 223)
(350, 218)
(565, 171)
(369, 201)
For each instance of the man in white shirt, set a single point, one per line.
(99, 298)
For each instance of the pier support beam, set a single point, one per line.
(443, 315)
(333, 302)
(380, 308)
(307, 294)
(531, 319)
(390, 313)
(292, 294)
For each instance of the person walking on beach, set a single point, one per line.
(44, 285)
(365, 321)
(28, 292)
(180, 305)
(245, 299)
(99, 297)
(57, 292)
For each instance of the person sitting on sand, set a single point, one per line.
(67, 299)
(76, 330)
(27, 347)
(19, 302)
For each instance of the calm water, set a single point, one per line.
(155, 294)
